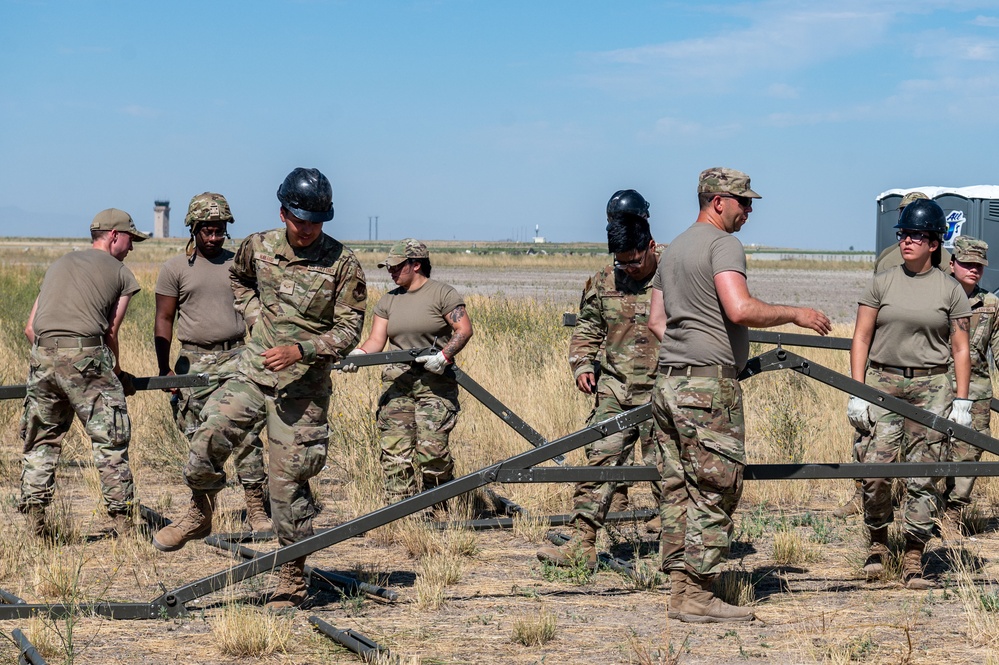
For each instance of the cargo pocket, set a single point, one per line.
(311, 459)
(320, 295)
(119, 424)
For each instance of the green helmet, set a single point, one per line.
(208, 207)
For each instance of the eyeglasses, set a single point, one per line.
(629, 264)
(209, 232)
(918, 237)
(743, 201)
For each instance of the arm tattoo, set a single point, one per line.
(457, 343)
(960, 324)
(456, 314)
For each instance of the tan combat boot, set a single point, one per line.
(855, 506)
(912, 566)
(700, 605)
(196, 524)
(874, 566)
(677, 590)
(582, 547)
(256, 513)
(291, 589)
(35, 516)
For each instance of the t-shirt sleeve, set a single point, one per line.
(449, 299)
(959, 306)
(727, 254)
(383, 306)
(167, 283)
(129, 285)
(871, 297)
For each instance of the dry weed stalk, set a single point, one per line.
(791, 549)
(664, 651)
(536, 628)
(531, 528)
(247, 632)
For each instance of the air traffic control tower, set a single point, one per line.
(161, 219)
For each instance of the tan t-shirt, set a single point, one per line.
(206, 313)
(697, 331)
(416, 318)
(914, 315)
(80, 293)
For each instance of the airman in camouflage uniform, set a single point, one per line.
(702, 308)
(303, 294)
(613, 319)
(73, 328)
(194, 289)
(969, 259)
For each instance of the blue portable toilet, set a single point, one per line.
(971, 211)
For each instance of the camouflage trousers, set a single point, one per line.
(592, 500)
(957, 491)
(895, 438)
(62, 382)
(703, 428)
(297, 439)
(416, 414)
(188, 404)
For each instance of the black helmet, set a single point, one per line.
(923, 215)
(308, 195)
(627, 200)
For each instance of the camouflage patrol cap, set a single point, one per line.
(910, 197)
(407, 248)
(113, 219)
(208, 207)
(971, 250)
(718, 180)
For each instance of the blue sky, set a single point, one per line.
(478, 120)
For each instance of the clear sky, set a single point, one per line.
(480, 119)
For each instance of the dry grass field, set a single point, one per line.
(483, 597)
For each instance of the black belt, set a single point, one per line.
(709, 371)
(910, 372)
(69, 342)
(205, 348)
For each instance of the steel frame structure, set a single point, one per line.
(524, 467)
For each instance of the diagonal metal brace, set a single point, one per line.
(777, 359)
(464, 380)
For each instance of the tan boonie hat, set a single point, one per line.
(910, 197)
(113, 219)
(208, 207)
(407, 248)
(970, 250)
(720, 180)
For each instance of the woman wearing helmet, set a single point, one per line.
(910, 322)
(419, 406)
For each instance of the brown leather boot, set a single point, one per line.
(291, 590)
(582, 547)
(677, 590)
(874, 566)
(855, 506)
(700, 605)
(912, 566)
(952, 526)
(256, 513)
(196, 524)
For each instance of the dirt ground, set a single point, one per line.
(816, 609)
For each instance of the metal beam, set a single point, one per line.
(28, 653)
(780, 358)
(173, 602)
(140, 383)
(363, 646)
(60, 611)
(464, 380)
(322, 578)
